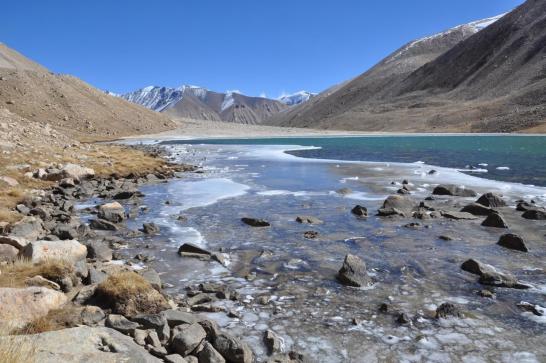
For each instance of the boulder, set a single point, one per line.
(177, 317)
(191, 250)
(70, 250)
(273, 342)
(125, 194)
(29, 228)
(67, 183)
(99, 250)
(233, 349)
(253, 222)
(359, 211)
(102, 224)
(85, 344)
(399, 203)
(477, 209)
(152, 277)
(19, 306)
(150, 228)
(65, 231)
(535, 214)
(210, 355)
(494, 220)
(112, 212)
(447, 310)
(353, 272)
(491, 200)
(91, 315)
(185, 338)
(513, 242)
(308, 220)
(121, 323)
(489, 275)
(389, 212)
(453, 190)
(76, 172)
(8, 253)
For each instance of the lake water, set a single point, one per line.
(414, 271)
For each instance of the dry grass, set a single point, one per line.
(128, 293)
(68, 316)
(15, 274)
(16, 349)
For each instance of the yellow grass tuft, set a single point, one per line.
(15, 274)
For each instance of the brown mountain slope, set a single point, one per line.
(69, 104)
(490, 80)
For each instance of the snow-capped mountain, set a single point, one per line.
(296, 98)
(201, 103)
(461, 30)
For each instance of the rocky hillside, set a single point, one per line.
(69, 104)
(201, 104)
(485, 76)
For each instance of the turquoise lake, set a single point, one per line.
(520, 159)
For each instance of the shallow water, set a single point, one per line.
(413, 270)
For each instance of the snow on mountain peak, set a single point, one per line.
(296, 98)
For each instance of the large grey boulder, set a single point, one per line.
(98, 250)
(86, 344)
(29, 228)
(353, 272)
(495, 220)
(477, 209)
(8, 253)
(210, 355)
(535, 214)
(19, 306)
(185, 338)
(112, 212)
(121, 323)
(76, 172)
(233, 349)
(70, 250)
(177, 317)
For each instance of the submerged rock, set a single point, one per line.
(253, 222)
(102, 224)
(447, 310)
(308, 220)
(150, 228)
(273, 342)
(513, 242)
(310, 234)
(491, 200)
(453, 190)
(353, 272)
(489, 275)
(532, 308)
(359, 211)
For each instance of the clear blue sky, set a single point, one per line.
(255, 46)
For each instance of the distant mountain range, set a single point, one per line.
(201, 103)
(484, 76)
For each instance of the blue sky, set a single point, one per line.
(255, 46)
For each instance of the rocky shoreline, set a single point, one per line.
(65, 273)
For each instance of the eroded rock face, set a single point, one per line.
(70, 250)
(453, 190)
(19, 306)
(353, 272)
(87, 344)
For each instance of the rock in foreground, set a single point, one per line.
(353, 272)
(453, 190)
